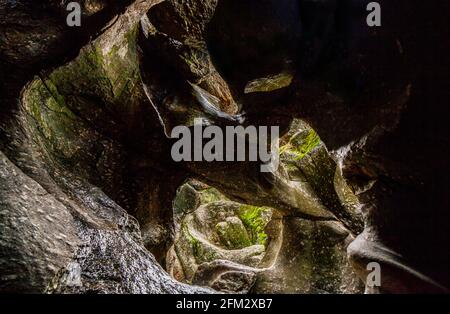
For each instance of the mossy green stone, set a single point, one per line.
(233, 234)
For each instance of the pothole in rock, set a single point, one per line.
(219, 243)
(240, 248)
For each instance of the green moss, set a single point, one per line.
(51, 119)
(211, 195)
(122, 68)
(269, 84)
(186, 201)
(301, 148)
(199, 250)
(255, 220)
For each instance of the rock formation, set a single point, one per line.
(91, 200)
(239, 248)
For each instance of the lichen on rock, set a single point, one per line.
(92, 202)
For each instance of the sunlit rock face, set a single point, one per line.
(232, 247)
(60, 232)
(91, 200)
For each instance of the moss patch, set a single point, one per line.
(255, 220)
(301, 146)
(211, 195)
(233, 234)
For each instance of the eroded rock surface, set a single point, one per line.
(240, 248)
(61, 233)
(86, 172)
(217, 230)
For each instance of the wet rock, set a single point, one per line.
(311, 258)
(63, 142)
(275, 190)
(219, 232)
(262, 27)
(269, 84)
(179, 48)
(36, 37)
(308, 160)
(83, 115)
(89, 140)
(186, 201)
(374, 123)
(226, 276)
(216, 247)
(48, 233)
(204, 237)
